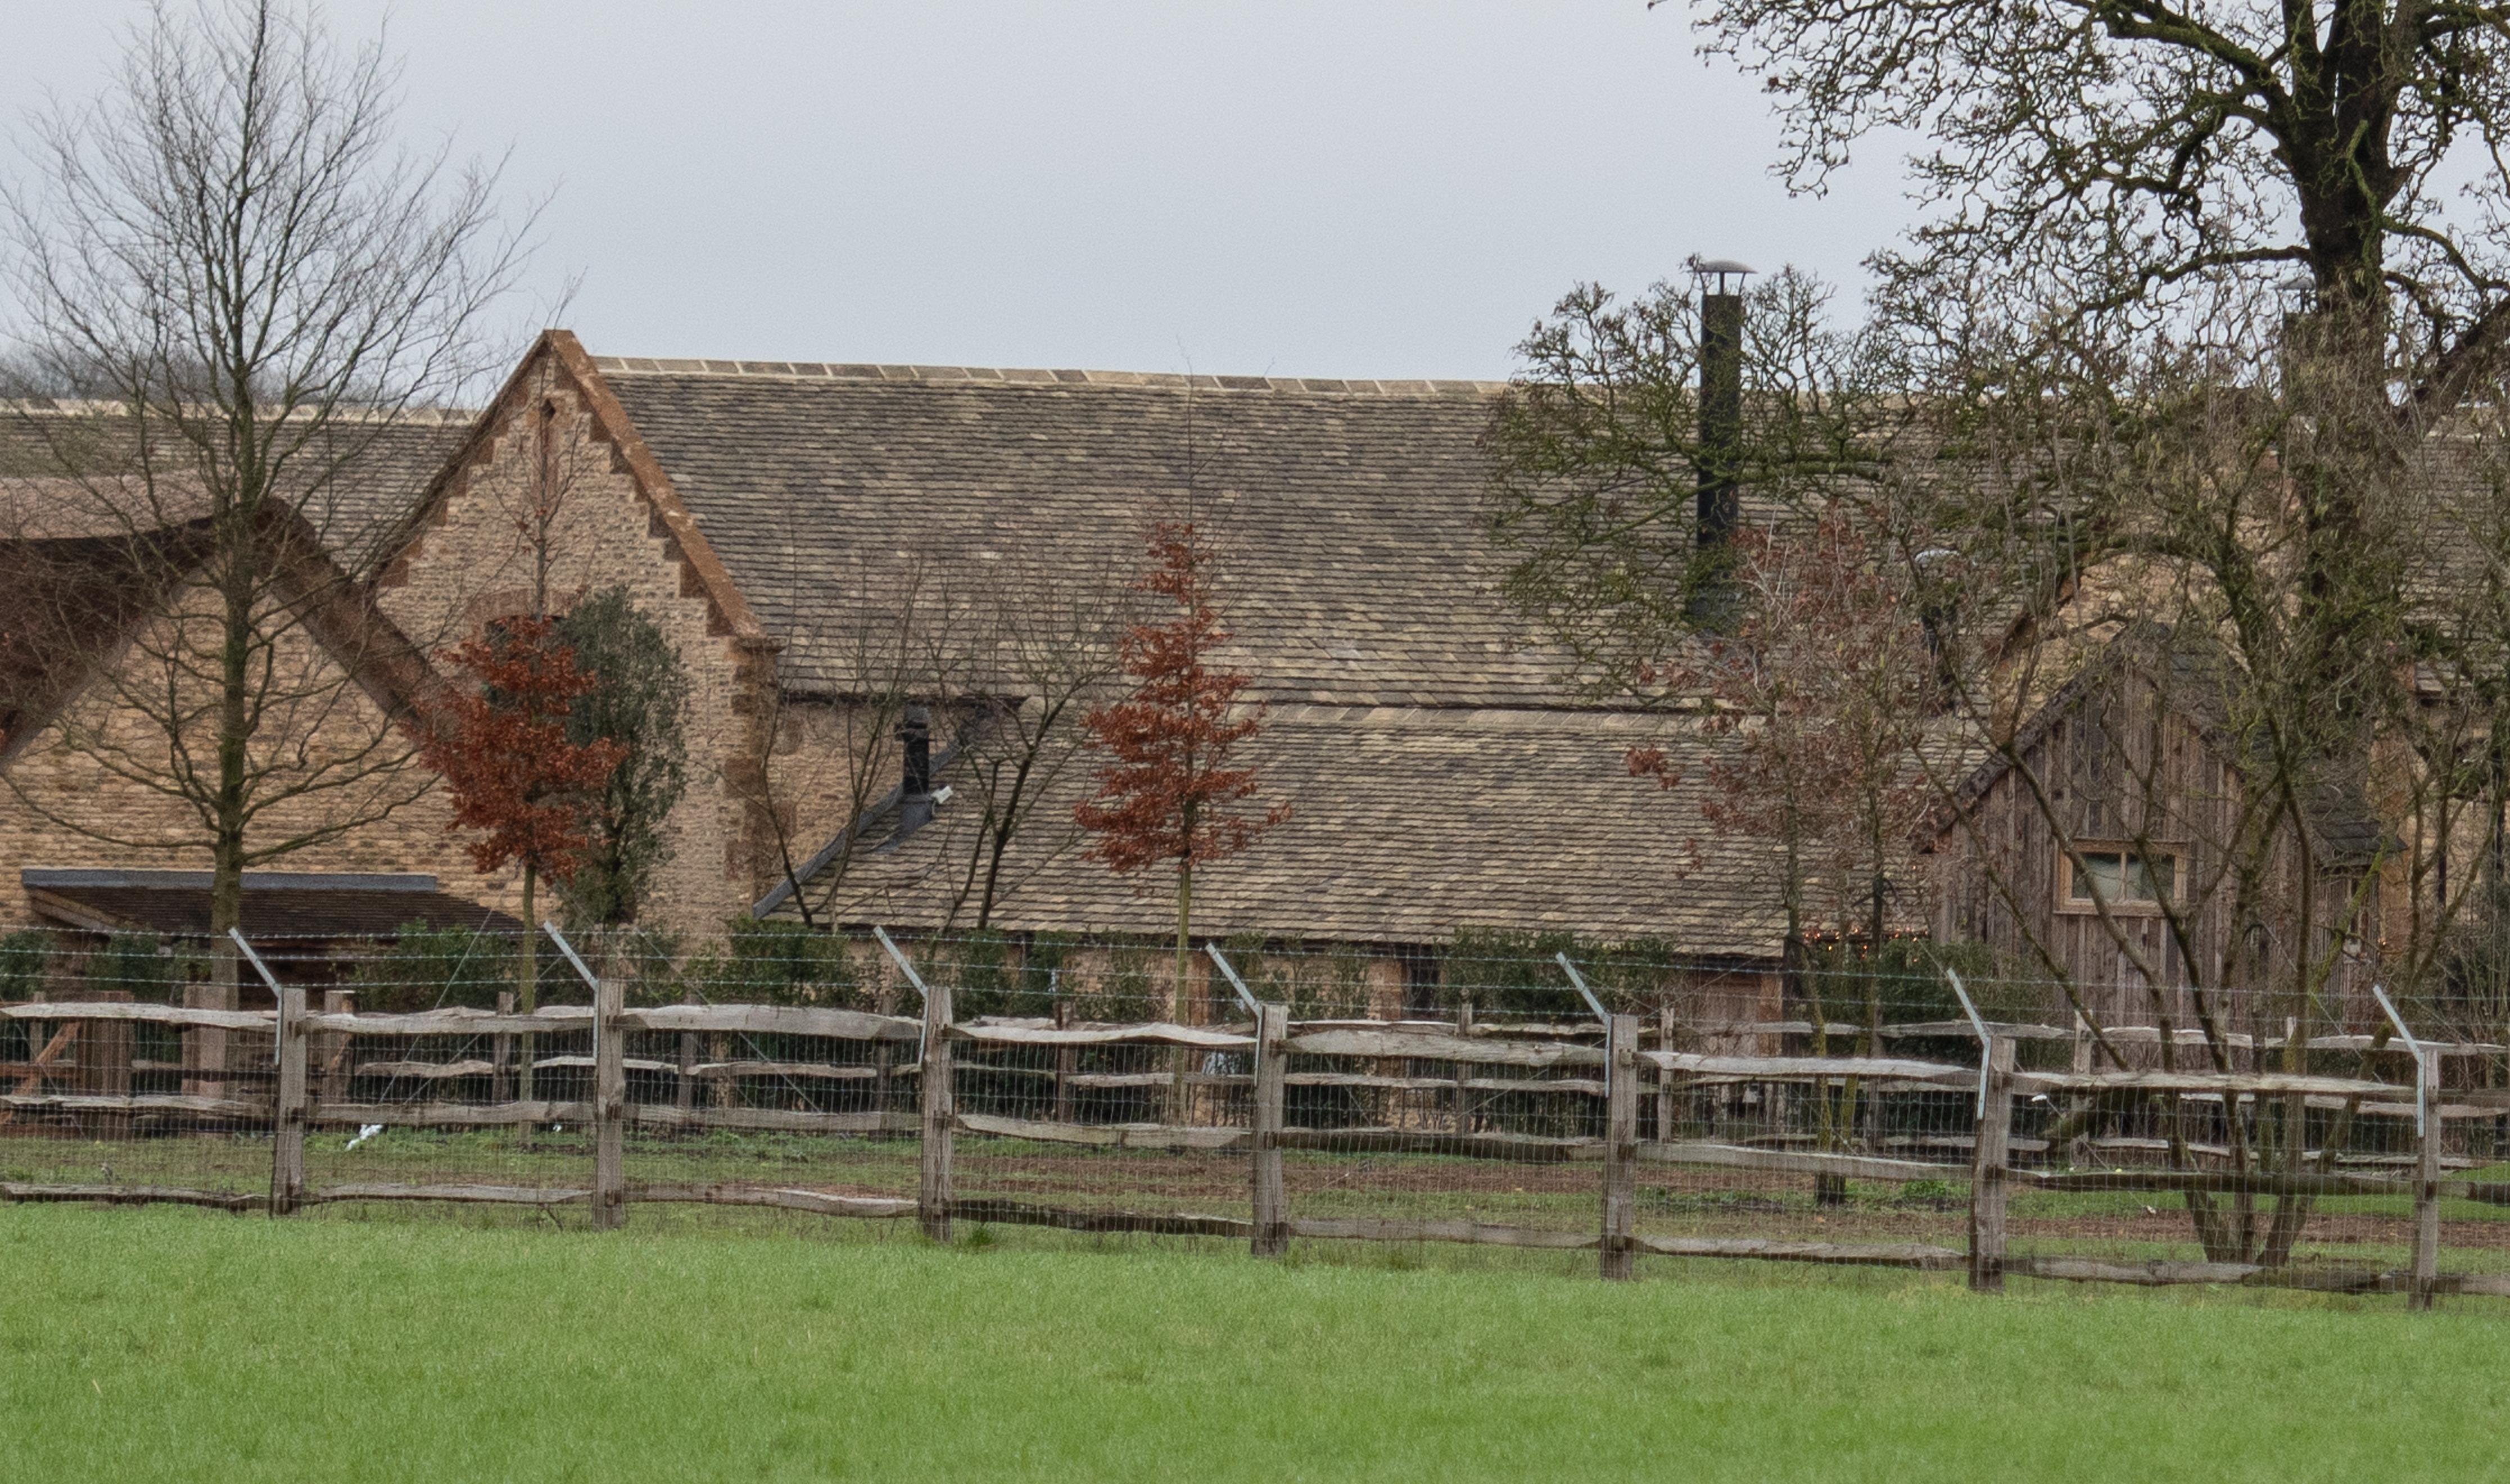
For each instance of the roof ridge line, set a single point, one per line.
(1011, 376)
(105, 406)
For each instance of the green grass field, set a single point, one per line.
(174, 1344)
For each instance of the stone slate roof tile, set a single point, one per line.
(1349, 512)
(69, 469)
(1443, 771)
(1407, 824)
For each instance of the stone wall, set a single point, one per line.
(93, 789)
(830, 760)
(546, 509)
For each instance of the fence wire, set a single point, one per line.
(1830, 1113)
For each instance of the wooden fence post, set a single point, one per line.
(1988, 1186)
(725, 1091)
(39, 1051)
(609, 1104)
(104, 1057)
(2427, 1190)
(1665, 1123)
(335, 1048)
(1067, 1063)
(684, 1092)
(288, 1110)
(1621, 1146)
(1271, 1200)
(933, 1092)
(205, 1048)
(501, 1055)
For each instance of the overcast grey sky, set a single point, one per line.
(1342, 189)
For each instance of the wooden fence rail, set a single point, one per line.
(1426, 1064)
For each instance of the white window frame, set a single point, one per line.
(2133, 906)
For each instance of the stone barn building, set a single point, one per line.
(843, 553)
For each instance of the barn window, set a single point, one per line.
(2121, 876)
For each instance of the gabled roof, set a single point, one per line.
(560, 353)
(70, 606)
(71, 468)
(95, 539)
(2338, 813)
(1349, 513)
(70, 602)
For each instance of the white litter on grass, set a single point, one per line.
(366, 1132)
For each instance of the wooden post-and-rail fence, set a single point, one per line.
(1630, 1070)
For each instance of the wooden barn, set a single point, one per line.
(2113, 842)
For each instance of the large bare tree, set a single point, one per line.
(230, 246)
(2178, 394)
(2123, 175)
(2258, 788)
(2092, 154)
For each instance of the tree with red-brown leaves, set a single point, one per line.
(1168, 797)
(528, 792)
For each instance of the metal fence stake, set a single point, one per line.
(609, 1090)
(1986, 1041)
(288, 1102)
(2427, 1135)
(1580, 980)
(905, 966)
(1245, 996)
(2414, 1047)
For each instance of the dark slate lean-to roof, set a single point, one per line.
(282, 905)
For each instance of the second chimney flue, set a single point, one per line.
(1720, 399)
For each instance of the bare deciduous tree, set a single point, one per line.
(832, 752)
(1046, 633)
(230, 246)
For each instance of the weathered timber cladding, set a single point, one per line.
(2117, 763)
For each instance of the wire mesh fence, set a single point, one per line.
(1883, 1112)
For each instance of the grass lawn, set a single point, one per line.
(174, 1344)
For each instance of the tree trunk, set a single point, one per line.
(527, 983)
(1827, 1189)
(1181, 1060)
(227, 814)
